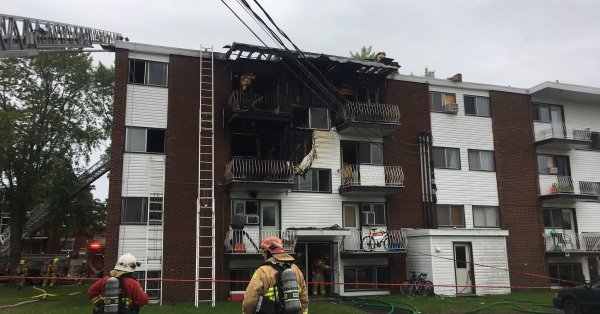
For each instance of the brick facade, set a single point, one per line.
(517, 179)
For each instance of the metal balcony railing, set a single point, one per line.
(239, 169)
(370, 112)
(250, 101)
(573, 242)
(248, 240)
(395, 241)
(372, 175)
(561, 131)
(566, 185)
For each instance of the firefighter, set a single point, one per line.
(22, 272)
(132, 297)
(264, 281)
(53, 271)
(83, 272)
(319, 267)
(46, 270)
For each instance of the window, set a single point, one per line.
(373, 214)
(570, 272)
(481, 160)
(244, 212)
(134, 210)
(370, 274)
(450, 216)
(152, 287)
(311, 118)
(239, 275)
(147, 72)
(314, 180)
(4, 220)
(67, 245)
(437, 101)
(558, 218)
(486, 217)
(446, 157)
(477, 106)
(362, 153)
(145, 140)
(244, 145)
(547, 113)
(556, 165)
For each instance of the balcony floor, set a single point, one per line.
(259, 185)
(361, 190)
(368, 128)
(562, 144)
(569, 196)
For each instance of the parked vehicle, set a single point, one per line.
(580, 299)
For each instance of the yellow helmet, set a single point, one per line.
(22, 262)
(56, 260)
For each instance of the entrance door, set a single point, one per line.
(269, 219)
(463, 268)
(558, 124)
(308, 254)
(350, 217)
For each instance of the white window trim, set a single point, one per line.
(485, 207)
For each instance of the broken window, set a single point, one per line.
(145, 140)
(362, 153)
(244, 145)
(311, 118)
(147, 72)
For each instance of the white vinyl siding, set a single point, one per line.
(132, 239)
(143, 174)
(146, 106)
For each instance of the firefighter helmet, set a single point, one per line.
(22, 262)
(274, 245)
(127, 263)
(56, 260)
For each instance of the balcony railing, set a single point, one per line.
(251, 101)
(248, 241)
(371, 112)
(239, 169)
(566, 185)
(573, 242)
(395, 241)
(561, 131)
(372, 175)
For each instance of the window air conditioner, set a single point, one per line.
(252, 219)
(451, 108)
(554, 170)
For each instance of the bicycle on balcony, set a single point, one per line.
(417, 285)
(375, 239)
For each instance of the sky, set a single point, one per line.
(515, 43)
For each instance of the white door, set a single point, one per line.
(558, 125)
(570, 234)
(269, 219)
(351, 222)
(463, 268)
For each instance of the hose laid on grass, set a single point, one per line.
(515, 307)
(377, 303)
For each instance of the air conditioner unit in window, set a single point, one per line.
(451, 108)
(252, 219)
(553, 170)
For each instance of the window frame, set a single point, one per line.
(547, 212)
(258, 213)
(145, 210)
(375, 269)
(567, 161)
(307, 125)
(444, 103)
(312, 171)
(449, 207)
(371, 210)
(241, 275)
(485, 207)
(446, 158)
(64, 247)
(576, 268)
(147, 73)
(475, 108)
(141, 274)
(145, 151)
(479, 151)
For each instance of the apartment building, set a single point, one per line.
(387, 174)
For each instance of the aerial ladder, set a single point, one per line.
(24, 37)
(39, 214)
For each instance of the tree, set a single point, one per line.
(428, 73)
(365, 53)
(55, 109)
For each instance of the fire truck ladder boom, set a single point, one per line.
(39, 214)
(24, 36)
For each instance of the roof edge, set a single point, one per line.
(163, 50)
(465, 85)
(563, 86)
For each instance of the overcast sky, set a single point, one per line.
(506, 42)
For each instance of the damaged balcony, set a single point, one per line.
(562, 243)
(374, 180)
(243, 174)
(564, 187)
(557, 136)
(249, 105)
(369, 118)
(247, 240)
(380, 241)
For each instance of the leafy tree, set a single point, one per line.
(365, 53)
(55, 109)
(428, 73)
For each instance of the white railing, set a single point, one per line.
(372, 175)
(239, 169)
(561, 131)
(563, 242)
(395, 240)
(248, 240)
(370, 112)
(251, 101)
(566, 185)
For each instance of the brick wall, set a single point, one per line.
(404, 209)
(113, 217)
(517, 178)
